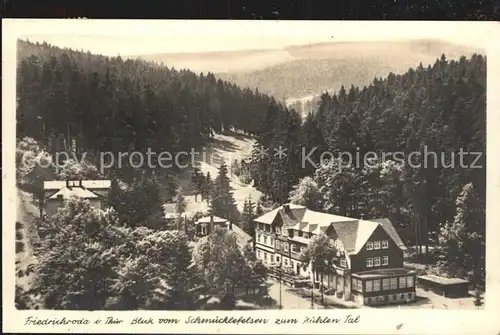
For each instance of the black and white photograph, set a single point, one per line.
(248, 172)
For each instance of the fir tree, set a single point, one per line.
(222, 200)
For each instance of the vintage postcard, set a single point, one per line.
(250, 177)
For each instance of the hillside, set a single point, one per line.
(223, 147)
(303, 72)
(311, 70)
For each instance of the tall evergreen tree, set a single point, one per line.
(222, 200)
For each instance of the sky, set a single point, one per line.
(124, 37)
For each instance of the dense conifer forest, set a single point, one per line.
(439, 108)
(110, 104)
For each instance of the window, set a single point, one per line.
(385, 244)
(286, 261)
(261, 226)
(278, 244)
(272, 241)
(369, 262)
(204, 230)
(369, 246)
(343, 262)
(265, 239)
(265, 256)
(386, 284)
(306, 235)
(277, 259)
(376, 285)
(293, 247)
(272, 259)
(302, 249)
(385, 260)
(402, 282)
(394, 283)
(300, 233)
(369, 286)
(409, 281)
(376, 261)
(286, 246)
(258, 253)
(376, 245)
(278, 230)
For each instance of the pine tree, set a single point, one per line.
(222, 200)
(463, 241)
(247, 216)
(207, 187)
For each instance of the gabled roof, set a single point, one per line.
(91, 184)
(353, 233)
(347, 232)
(391, 231)
(241, 237)
(79, 192)
(365, 230)
(295, 214)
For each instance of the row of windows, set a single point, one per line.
(376, 245)
(371, 262)
(385, 284)
(393, 297)
(269, 257)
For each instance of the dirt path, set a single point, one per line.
(224, 148)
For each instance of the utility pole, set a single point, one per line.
(312, 287)
(280, 277)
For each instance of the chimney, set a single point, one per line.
(362, 216)
(80, 183)
(286, 207)
(68, 184)
(230, 225)
(211, 224)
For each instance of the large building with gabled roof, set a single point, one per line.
(368, 267)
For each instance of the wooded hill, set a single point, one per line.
(111, 104)
(440, 107)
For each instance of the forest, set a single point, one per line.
(109, 104)
(99, 103)
(439, 108)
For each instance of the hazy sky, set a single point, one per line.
(112, 37)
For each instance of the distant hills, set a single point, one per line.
(304, 71)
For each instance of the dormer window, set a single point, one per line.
(369, 246)
(376, 245)
(385, 244)
(300, 233)
(343, 262)
(278, 230)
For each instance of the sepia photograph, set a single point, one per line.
(250, 172)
